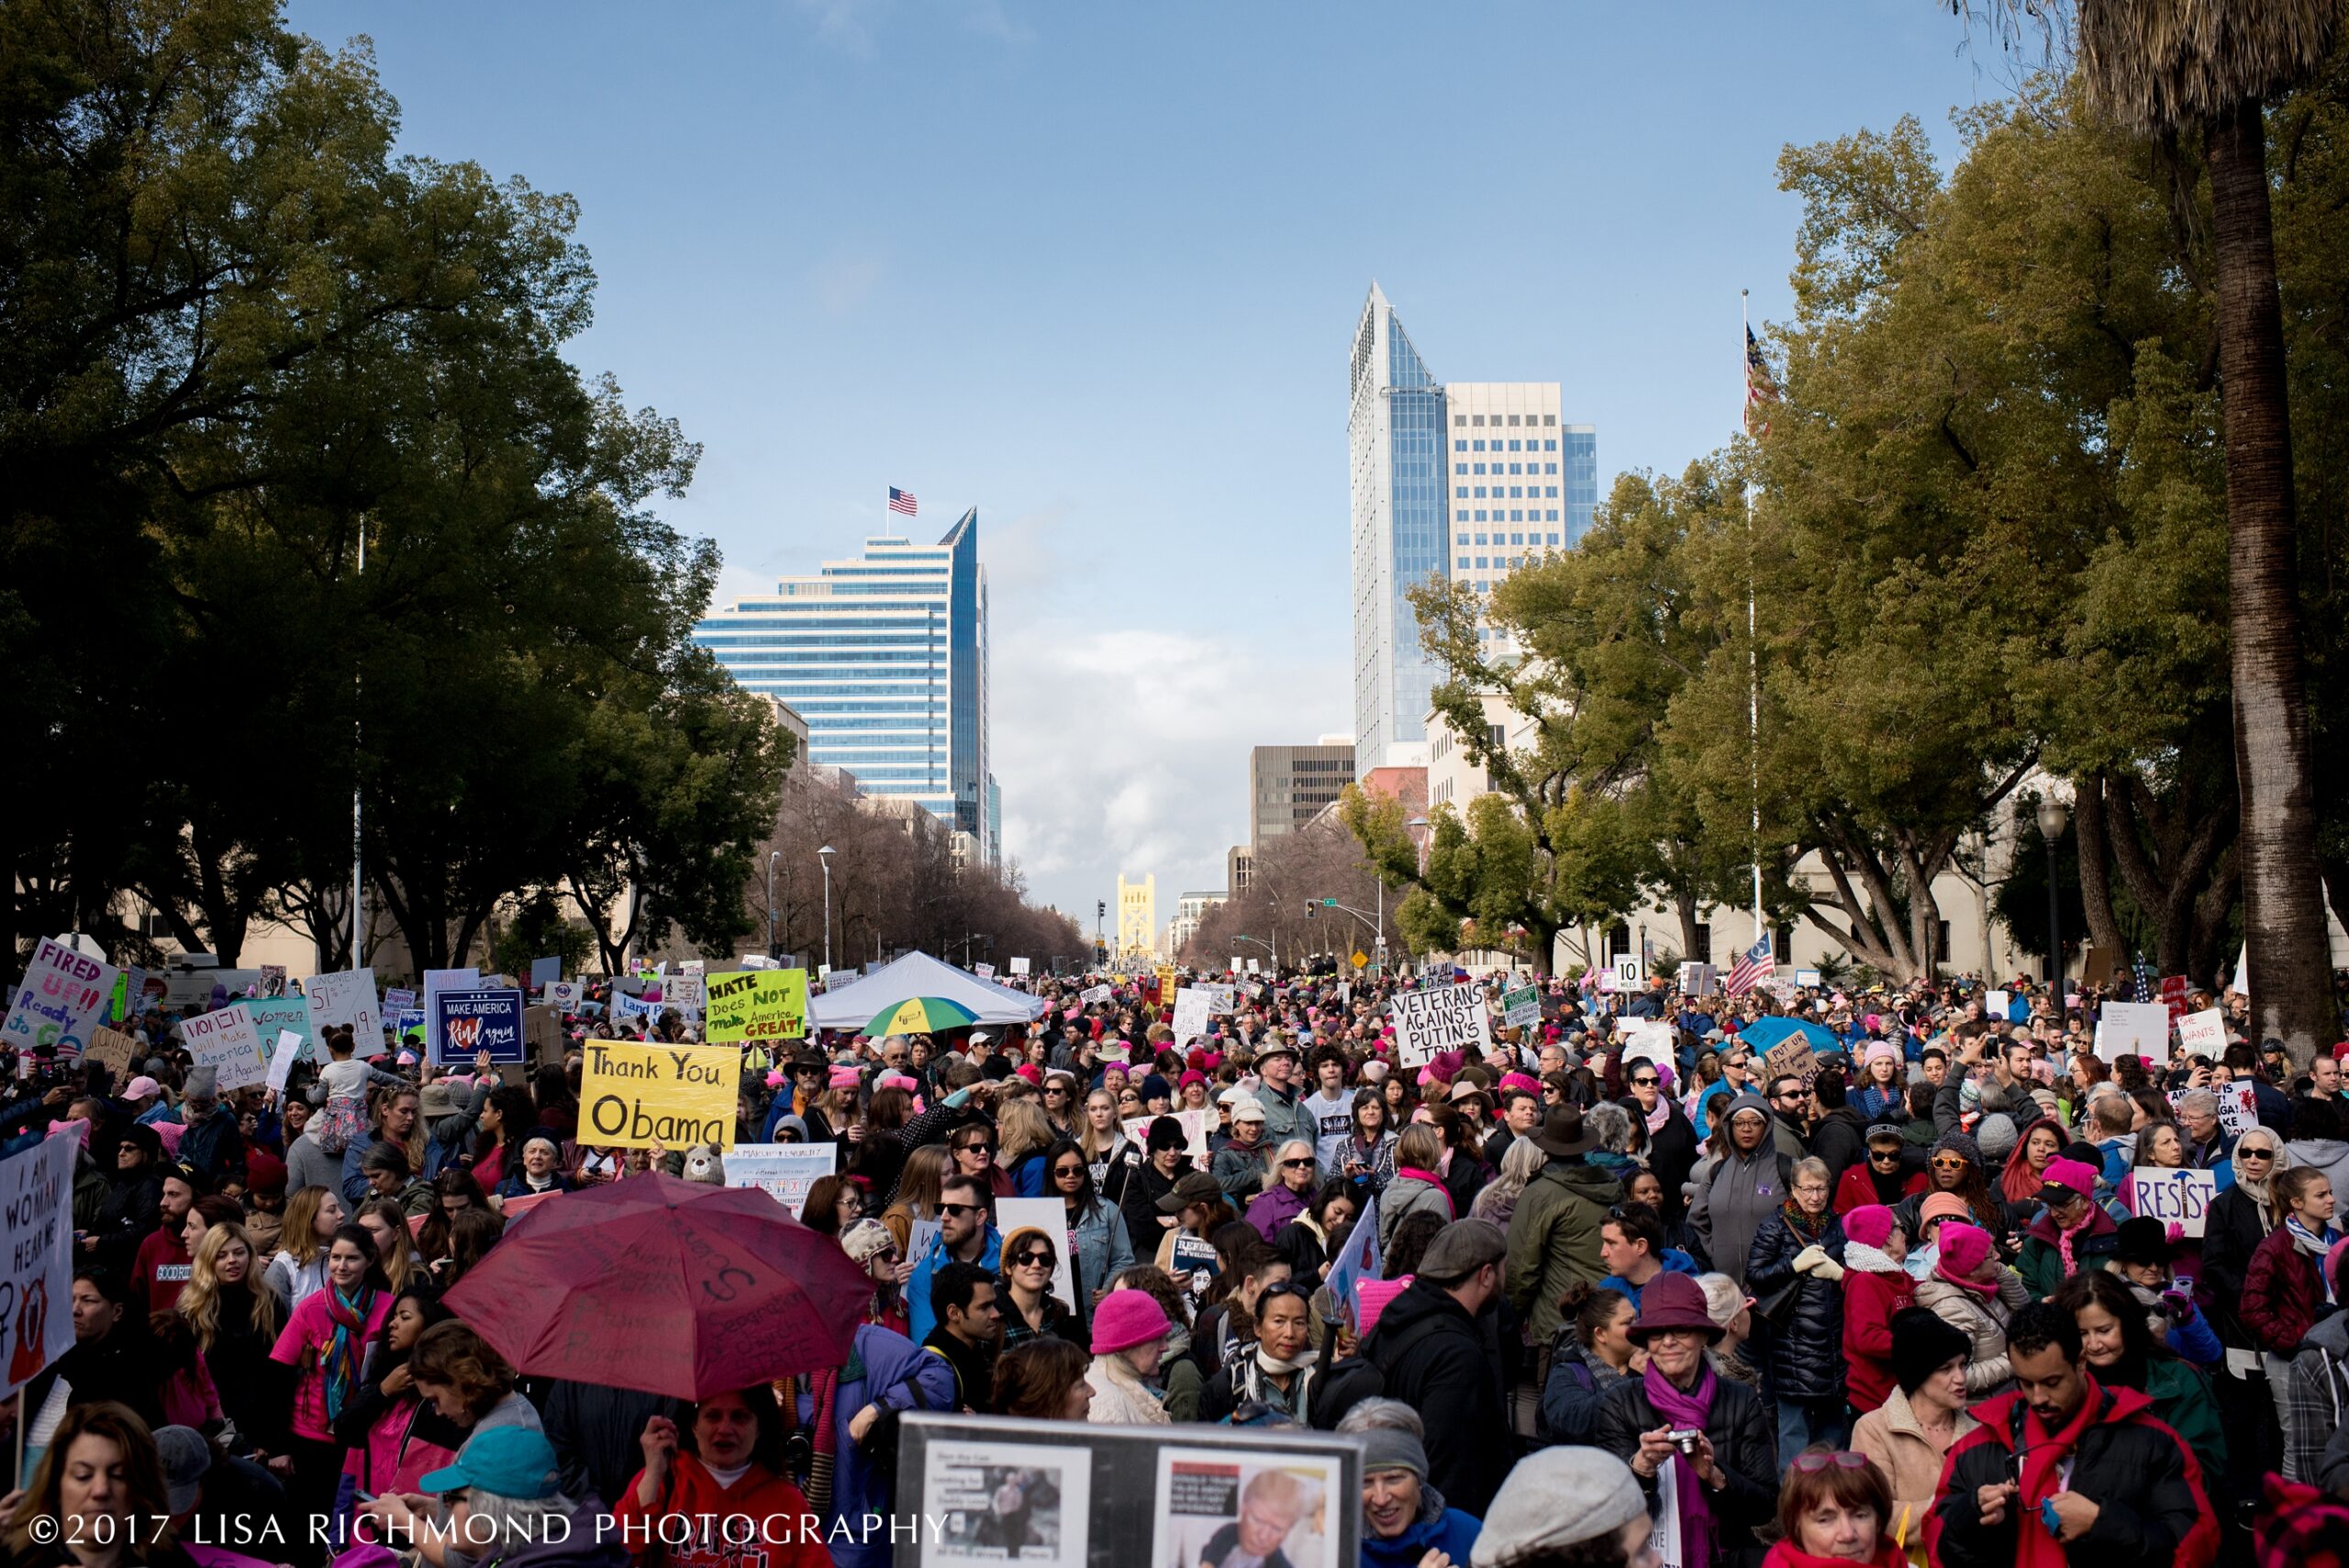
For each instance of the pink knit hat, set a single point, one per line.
(1870, 1225)
(1963, 1247)
(845, 1078)
(1126, 1318)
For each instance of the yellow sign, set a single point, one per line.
(1361, 959)
(749, 1007)
(1167, 985)
(633, 1096)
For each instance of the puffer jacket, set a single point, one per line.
(2231, 1232)
(1871, 1297)
(1578, 1385)
(1745, 1447)
(2282, 1295)
(1802, 1354)
(1982, 1319)
(1240, 1171)
(2041, 1262)
(1553, 1239)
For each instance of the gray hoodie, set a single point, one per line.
(1738, 1195)
(2330, 1155)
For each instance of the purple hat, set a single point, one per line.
(1672, 1301)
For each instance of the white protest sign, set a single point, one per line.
(1050, 1216)
(2134, 1028)
(281, 1058)
(1194, 1125)
(227, 1042)
(2203, 1033)
(2238, 1108)
(1522, 1008)
(564, 995)
(1994, 1004)
(783, 1171)
(1698, 979)
(450, 980)
(2179, 1198)
(1020, 966)
(983, 971)
(61, 999)
(1192, 1005)
(1254, 967)
(346, 999)
(2242, 970)
(1647, 1039)
(1221, 998)
(36, 1256)
(1096, 995)
(1441, 1018)
(683, 992)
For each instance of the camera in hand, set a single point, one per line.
(1685, 1439)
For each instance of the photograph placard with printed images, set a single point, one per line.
(1226, 1508)
(991, 1503)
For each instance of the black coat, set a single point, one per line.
(1840, 1138)
(1745, 1447)
(1446, 1365)
(1672, 1155)
(2231, 1232)
(1139, 1208)
(133, 1206)
(1802, 1350)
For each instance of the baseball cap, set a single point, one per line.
(505, 1461)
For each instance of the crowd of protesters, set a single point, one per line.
(1882, 1298)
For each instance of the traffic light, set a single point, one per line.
(1312, 907)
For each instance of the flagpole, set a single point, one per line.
(1752, 656)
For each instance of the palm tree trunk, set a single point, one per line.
(2283, 901)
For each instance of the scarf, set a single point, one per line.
(2314, 1247)
(339, 1363)
(1432, 1179)
(1861, 1258)
(1692, 1408)
(1662, 1114)
(1807, 1225)
(2063, 1238)
(2259, 1192)
(2040, 1461)
(1257, 1385)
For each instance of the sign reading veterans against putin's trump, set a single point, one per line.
(1440, 1017)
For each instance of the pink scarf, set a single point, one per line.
(1690, 1408)
(1432, 1179)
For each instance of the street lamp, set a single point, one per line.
(2053, 818)
(773, 952)
(825, 855)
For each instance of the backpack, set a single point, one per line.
(343, 1121)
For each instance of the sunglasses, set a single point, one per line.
(1647, 1083)
(1889, 1156)
(1949, 1161)
(2253, 1155)
(1815, 1461)
(1033, 1260)
(1305, 1164)
(975, 1149)
(1068, 1169)
(950, 1208)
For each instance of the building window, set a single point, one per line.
(1459, 419)
(1477, 420)
(1517, 538)
(1704, 953)
(1941, 941)
(1553, 538)
(1460, 446)
(1512, 419)
(1553, 514)
(1461, 540)
(1618, 943)
(1464, 564)
(1781, 946)
(1476, 446)
(1548, 419)
(1548, 468)
(1480, 564)
(1550, 492)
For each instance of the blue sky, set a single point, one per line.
(1094, 267)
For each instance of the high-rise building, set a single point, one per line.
(1287, 785)
(1464, 480)
(885, 656)
(1137, 918)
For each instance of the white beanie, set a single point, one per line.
(1555, 1498)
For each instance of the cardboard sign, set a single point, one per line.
(785, 1171)
(114, 1050)
(750, 1007)
(2179, 1198)
(2134, 1028)
(1699, 979)
(227, 1041)
(683, 992)
(462, 1024)
(2203, 1033)
(1647, 1039)
(59, 1002)
(275, 1015)
(1195, 1130)
(346, 999)
(633, 1096)
(1790, 1058)
(1522, 1008)
(564, 996)
(1441, 1018)
(37, 1257)
(542, 1034)
(1192, 1003)
(1050, 1216)
(1168, 983)
(282, 1057)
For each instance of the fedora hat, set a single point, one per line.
(1563, 1132)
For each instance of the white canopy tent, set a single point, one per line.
(918, 975)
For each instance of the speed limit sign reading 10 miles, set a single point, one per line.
(1630, 972)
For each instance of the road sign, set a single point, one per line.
(1361, 959)
(1631, 972)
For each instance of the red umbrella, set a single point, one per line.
(667, 1287)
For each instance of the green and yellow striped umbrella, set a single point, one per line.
(921, 1015)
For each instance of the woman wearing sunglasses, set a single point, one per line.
(2238, 1220)
(1096, 1230)
(1955, 1165)
(1288, 1187)
(1031, 1310)
(1277, 1375)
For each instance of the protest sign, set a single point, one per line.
(1441, 1018)
(407, 1028)
(1522, 1008)
(2174, 1198)
(1191, 1004)
(114, 1050)
(683, 992)
(632, 1097)
(920, 1238)
(465, 1023)
(58, 1002)
(1807, 977)
(545, 971)
(750, 1007)
(1020, 966)
(1699, 979)
(273, 980)
(274, 1016)
(1221, 999)
(1195, 1130)
(983, 971)
(225, 1040)
(1096, 995)
(2134, 1028)
(784, 1171)
(450, 980)
(1204, 1494)
(37, 1257)
(1168, 983)
(346, 999)
(1791, 1057)
(564, 996)
(1647, 1039)
(543, 1035)
(2173, 996)
(1994, 1004)
(632, 1010)
(2238, 1108)
(2203, 1033)
(397, 999)
(282, 1057)
(1195, 1256)
(969, 1490)
(1050, 1216)
(1256, 966)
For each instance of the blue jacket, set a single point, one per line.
(1438, 1528)
(890, 1367)
(920, 1320)
(1103, 1250)
(1675, 1261)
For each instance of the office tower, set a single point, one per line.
(1288, 785)
(885, 656)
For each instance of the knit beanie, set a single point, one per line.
(1555, 1498)
(1942, 1206)
(1996, 1136)
(1870, 1225)
(1391, 1448)
(2074, 1175)
(1963, 1247)
(1960, 1143)
(1126, 1318)
(1922, 1343)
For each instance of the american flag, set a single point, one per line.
(2142, 975)
(1754, 966)
(901, 501)
(1761, 387)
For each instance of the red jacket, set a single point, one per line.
(161, 1269)
(1855, 1189)
(2281, 1292)
(788, 1534)
(1869, 1302)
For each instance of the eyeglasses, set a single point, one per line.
(1817, 1460)
(952, 1209)
(1304, 1164)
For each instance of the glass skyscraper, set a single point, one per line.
(885, 657)
(1466, 481)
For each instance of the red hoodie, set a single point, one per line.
(1869, 1302)
(780, 1532)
